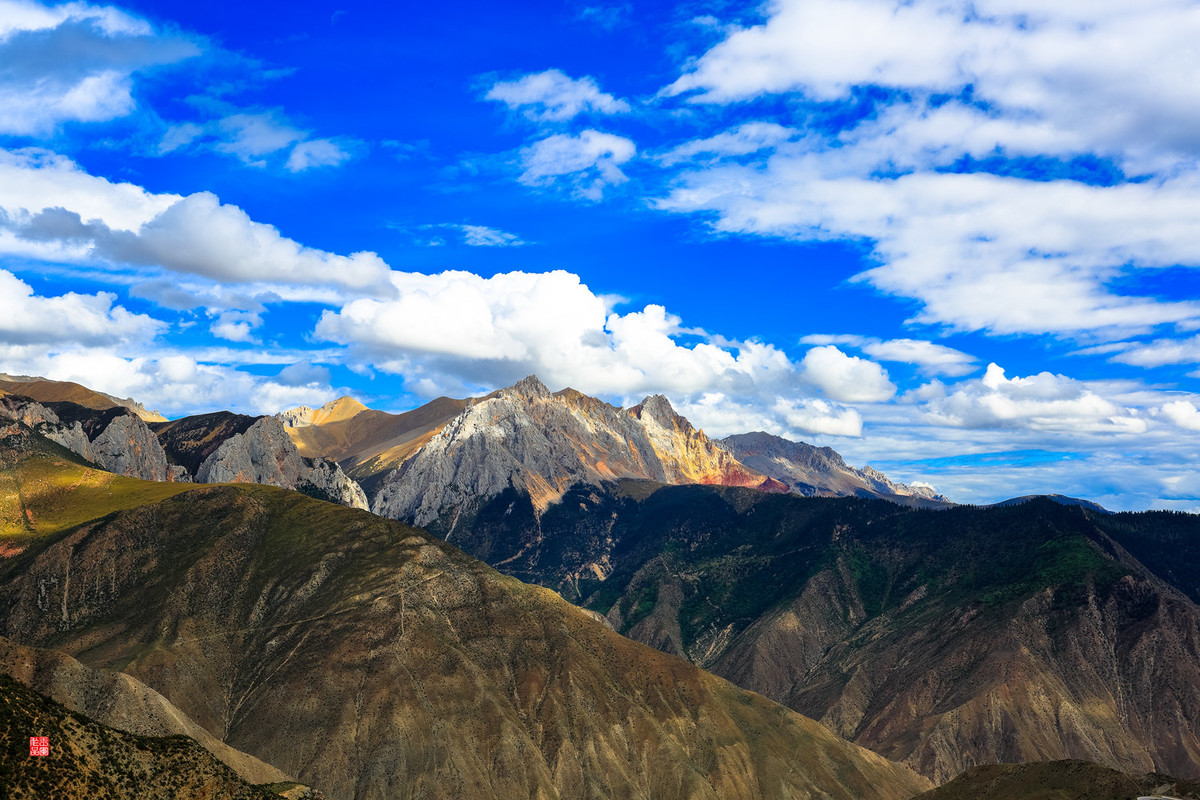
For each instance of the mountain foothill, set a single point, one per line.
(538, 594)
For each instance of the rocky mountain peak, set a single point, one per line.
(528, 387)
(658, 408)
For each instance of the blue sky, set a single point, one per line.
(957, 241)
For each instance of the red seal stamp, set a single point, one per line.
(39, 745)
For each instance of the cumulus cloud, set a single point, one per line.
(458, 329)
(931, 358)
(74, 62)
(553, 96)
(1097, 70)
(1183, 413)
(1045, 402)
(846, 378)
(53, 208)
(589, 162)
(89, 319)
(978, 251)
(170, 382)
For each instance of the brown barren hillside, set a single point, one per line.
(368, 441)
(372, 660)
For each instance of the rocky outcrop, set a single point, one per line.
(686, 454)
(114, 439)
(821, 472)
(263, 453)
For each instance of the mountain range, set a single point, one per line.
(890, 640)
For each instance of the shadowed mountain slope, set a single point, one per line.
(372, 660)
(88, 760)
(942, 639)
(1059, 780)
(116, 700)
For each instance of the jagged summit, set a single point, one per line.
(658, 408)
(529, 386)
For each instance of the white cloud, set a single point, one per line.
(979, 251)
(458, 330)
(1160, 352)
(235, 325)
(1098, 70)
(820, 417)
(997, 79)
(170, 382)
(250, 136)
(745, 139)
(53, 209)
(933, 359)
(930, 358)
(259, 139)
(69, 318)
(846, 378)
(590, 161)
(1042, 402)
(1183, 413)
(317, 153)
(483, 236)
(74, 62)
(553, 96)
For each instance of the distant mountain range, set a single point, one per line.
(542, 442)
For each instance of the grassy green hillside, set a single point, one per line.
(46, 489)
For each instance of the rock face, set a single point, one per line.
(539, 443)
(372, 660)
(263, 453)
(116, 700)
(820, 472)
(48, 391)
(115, 439)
